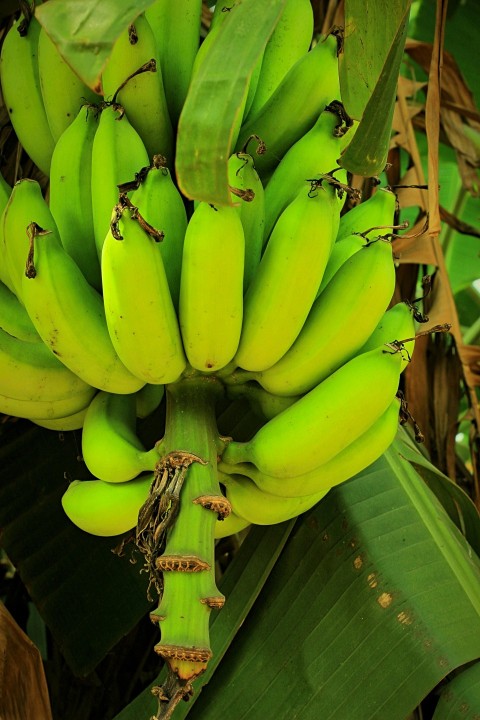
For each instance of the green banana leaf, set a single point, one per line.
(460, 698)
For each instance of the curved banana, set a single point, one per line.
(71, 193)
(342, 250)
(162, 206)
(339, 323)
(63, 92)
(140, 316)
(14, 319)
(118, 153)
(286, 282)
(110, 447)
(22, 92)
(230, 525)
(106, 509)
(148, 399)
(5, 192)
(142, 96)
(289, 41)
(63, 424)
(308, 86)
(45, 409)
(69, 315)
(314, 154)
(176, 29)
(211, 287)
(242, 176)
(396, 325)
(262, 508)
(354, 458)
(378, 210)
(263, 403)
(324, 421)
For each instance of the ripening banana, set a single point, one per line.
(71, 193)
(295, 105)
(162, 206)
(5, 192)
(14, 319)
(140, 315)
(176, 29)
(262, 508)
(22, 92)
(396, 325)
(106, 509)
(263, 403)
(142, 96)
(230, 525)
(377, 211)
(63, 92)
(286, 282)
(45, 409)
(69, 315)
(314, 154)
(211, 287)
(63, 424)
(118, 153)
(324, 421)
(243, 176)
(289, 41)
(354, 458)
(148, 399)
(110, 447)
(342, 250)
(340, 321)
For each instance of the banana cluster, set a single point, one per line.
(118, 289)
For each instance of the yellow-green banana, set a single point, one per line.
(71, 193)
(142, 96)
(45, 409)
(110, 447)
(5, 192)
(69, 315)
(396, 325)
(14, 319)
(140, 315)
(211, 287)
(148, 399)
(262, 508)
(118, 153)
(324, 421)
(63, 424)
(286, 282)
(22, 92)
(339, 323)
(63, 92)
(342, 250)
(106, 509)
(176, 29)
(295, 105)
(289, 41)
(243, 177)
(378, 210)
(354, 458)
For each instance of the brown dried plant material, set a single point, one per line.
(23, 688)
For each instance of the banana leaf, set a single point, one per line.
(460, 698)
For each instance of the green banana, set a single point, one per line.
(314, 154)
(142, 96)
(230, 525)
(308, 86)
(354, 458)
(286, 282)
(140, 317)
(339, 323)
(211, 287)
(289, 41)
(262, 508)
(148, 399)
(396, 325)
(118, 153)
(71, 193)
(14, 319)
(69, 315)
(22, 92)
(243, 177)
(63, 92)
(377, 211)
(63, 424)
(5, 192)
(176, 29)
(106, 509)
(45, 409)
(162, 206)
(342, 250)
(110, 447)
(263, 403)
(324, 421)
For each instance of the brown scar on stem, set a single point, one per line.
(188, 654)
(217, 503)
(214, 602)
(181, 563)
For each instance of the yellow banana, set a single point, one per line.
(45, 409)
(71, 193)
(354, 458)
(142, 96)
(289, 41)
(106, 509)
(211, 287)
(63, 92)
(378, 210)
(63, 424)
(140, 316)
(286, 282)
(176, 29)
(14, 319)
(110, 447)
(324, 421)
(339, 323)
(396, 325)
(22, 92)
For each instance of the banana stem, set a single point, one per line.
(190, 503)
